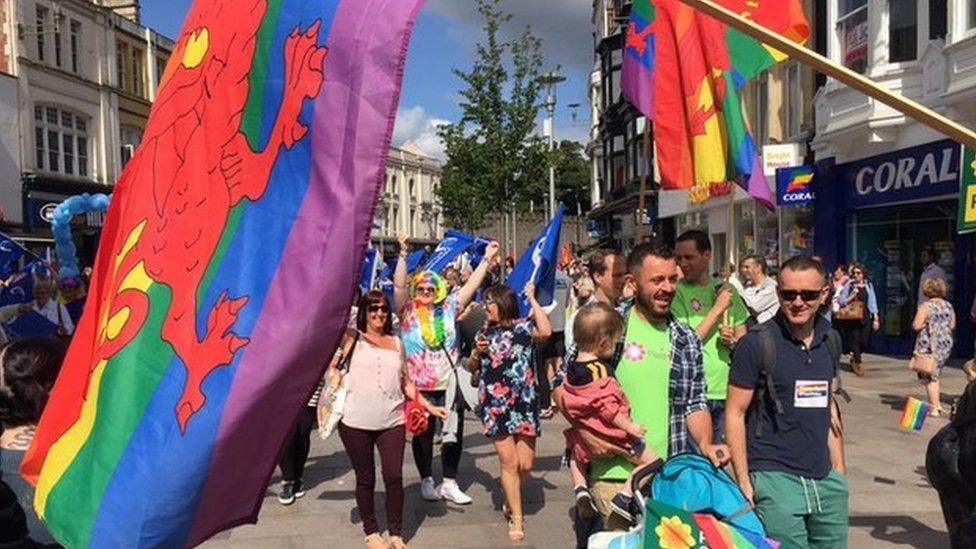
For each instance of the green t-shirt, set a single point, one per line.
(691, 304)
(644, 374)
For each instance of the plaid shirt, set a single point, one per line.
(686, 388)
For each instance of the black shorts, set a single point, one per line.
(554, 346)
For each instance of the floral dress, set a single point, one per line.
(936, 336)
(507, 393)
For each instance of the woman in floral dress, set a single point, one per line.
(509, 407)
(934, 321)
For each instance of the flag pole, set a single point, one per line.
(641, 201)
(859, 82)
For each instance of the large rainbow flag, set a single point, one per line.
(672, 528)
(683, 69)
(225, 270)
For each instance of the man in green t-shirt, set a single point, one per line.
(715, 311)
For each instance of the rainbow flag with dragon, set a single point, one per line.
(252, 192)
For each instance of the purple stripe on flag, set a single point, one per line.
(308, 300)
(758, 186)
(636, 82)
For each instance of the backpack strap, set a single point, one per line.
(766, 387)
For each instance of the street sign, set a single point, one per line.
(967, 192)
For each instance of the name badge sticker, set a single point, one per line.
(811, 394)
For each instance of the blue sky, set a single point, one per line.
(444, 37)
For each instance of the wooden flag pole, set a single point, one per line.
(641, 195)
(859, 82)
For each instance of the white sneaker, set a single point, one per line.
(452, 492)
(428, 491)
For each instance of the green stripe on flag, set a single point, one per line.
(128, 384)
(251, 120)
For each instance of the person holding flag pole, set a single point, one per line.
(428, 316)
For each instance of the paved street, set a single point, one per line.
(892, 504)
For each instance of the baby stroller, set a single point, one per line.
(692, 504)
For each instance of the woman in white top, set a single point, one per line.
(373, 415)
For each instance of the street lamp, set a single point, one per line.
(550, 80)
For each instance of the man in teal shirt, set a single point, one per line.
(715, 311)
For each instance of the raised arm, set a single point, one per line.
(466, 293)
(723, 300)
(401, 293)
(543, 328)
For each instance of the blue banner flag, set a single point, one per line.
(19, 289)
(10, 250)
(371, 263)
(414, 259)
(30, 324)
(454, 244)
(538, 265)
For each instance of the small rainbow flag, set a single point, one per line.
(914, 415)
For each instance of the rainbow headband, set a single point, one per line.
(432, 278)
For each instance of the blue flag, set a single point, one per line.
(414, 259)
(10, 250)
(30, 324)
(371, 263)
(538, 265)
(18, 290)
(453, 245)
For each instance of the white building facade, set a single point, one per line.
(888, 185)
(61, 56)
(408, 201)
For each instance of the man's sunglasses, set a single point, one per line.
(378, 309)
(426, 290)
(790, 296)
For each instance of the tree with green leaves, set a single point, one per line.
(495, 159)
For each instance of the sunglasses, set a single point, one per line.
(378, 309)
(857, 273)
(489, 301)
(808, 296)
(426, 290)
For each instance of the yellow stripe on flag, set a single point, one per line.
(64, 451)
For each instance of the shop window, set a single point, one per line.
(797, 238)
(60, 141)
(902, 30)
(889, 242)
(852, 32)
(745, 231)
(767, 237)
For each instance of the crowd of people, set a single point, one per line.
(646, 356)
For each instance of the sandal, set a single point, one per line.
(515, 533)
(547, 413)
(506, 512)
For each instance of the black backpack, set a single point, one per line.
(765, 393)
(950, 464)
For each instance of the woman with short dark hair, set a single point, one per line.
(503, 358)
(28, 368)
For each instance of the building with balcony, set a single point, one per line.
(408, 200)
(888, 185)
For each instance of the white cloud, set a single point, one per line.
(414, 124)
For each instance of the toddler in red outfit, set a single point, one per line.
(594, 401)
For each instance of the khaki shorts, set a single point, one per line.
(602, 492)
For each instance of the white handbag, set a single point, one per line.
(332, 401)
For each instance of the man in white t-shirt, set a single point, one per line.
(759, 293)
(51, 309)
